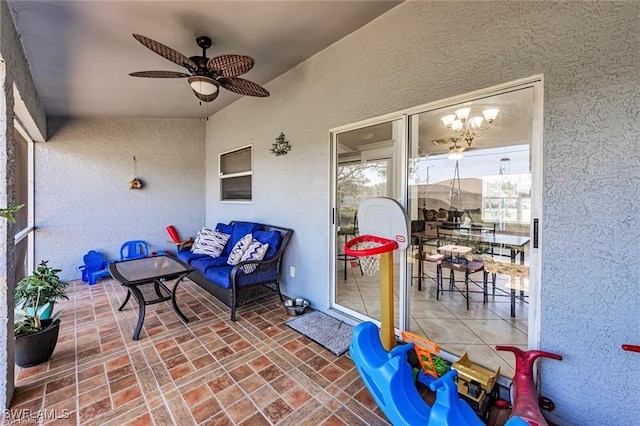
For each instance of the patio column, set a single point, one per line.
(7, 267)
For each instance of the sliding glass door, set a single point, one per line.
(468, 172)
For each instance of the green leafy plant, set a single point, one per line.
(8, 213)
(33, 295)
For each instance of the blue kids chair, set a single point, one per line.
(135, 249)
(95, 266)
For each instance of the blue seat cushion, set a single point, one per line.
(222, 227)
(240, 229)
(220, 275)
(273, 238)
(187, 256)
(203, 263)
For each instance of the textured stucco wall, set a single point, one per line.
(425, 51)
(83, 200)
(14, 74)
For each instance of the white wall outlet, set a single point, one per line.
(292, 271)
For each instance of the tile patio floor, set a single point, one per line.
(256, 371)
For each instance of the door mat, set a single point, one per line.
(332, 334)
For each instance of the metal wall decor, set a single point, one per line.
(135, 183)
(281, 147)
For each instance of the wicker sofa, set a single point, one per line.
(230, 283)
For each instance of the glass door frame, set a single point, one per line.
(401, 175)
(28, 232)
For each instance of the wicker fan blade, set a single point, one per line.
(159, 74)
(243, 87)
(206, 98)
(166, 52)
(230, 65)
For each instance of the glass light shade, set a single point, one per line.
(490, 114)
(463, 113)
(455, 156)
(448, 119)
(203, 85)
(476, 121)
(456, 125)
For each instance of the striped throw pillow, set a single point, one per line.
(255, 251)
(210, 242)
(238, 250)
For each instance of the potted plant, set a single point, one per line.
(36, 337)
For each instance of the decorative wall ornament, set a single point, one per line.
(281, 147)
(135, 183)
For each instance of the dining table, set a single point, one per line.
(516, 244)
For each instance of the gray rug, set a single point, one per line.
(330, 333)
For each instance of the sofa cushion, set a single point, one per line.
(240, 229)
(210, 242)
(273, 238)
(222, 227)
(202, 263)
(188, 256)
(238, 250)
(219, 275)
(255, 251)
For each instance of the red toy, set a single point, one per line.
(181, 244)
(525, 404)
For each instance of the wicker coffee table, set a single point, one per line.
(145, 278)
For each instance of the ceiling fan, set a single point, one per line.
(207, 75)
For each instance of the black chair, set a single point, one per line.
(417, 226)
(348, 232)
(455, 262)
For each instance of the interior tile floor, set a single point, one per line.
(256, 371)
(447, 321)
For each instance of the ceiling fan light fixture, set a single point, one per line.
(203, 85)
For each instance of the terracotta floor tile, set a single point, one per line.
(197, 395)
(277, 410)
(204, 361)
(94, 395)
(241, 410)
(241, 372)
(220, 383)
(205, 410)
(95, 409)
(220, 419)
(126, 395)
(230, 395)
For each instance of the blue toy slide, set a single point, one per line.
(388, 376)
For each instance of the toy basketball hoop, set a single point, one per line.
(368, 248)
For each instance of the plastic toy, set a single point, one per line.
(383, 225)
(389, 378)
(525, 403)
(427, 351)
(180, 244)
(475, 384)
(134, 249)
(95, 266)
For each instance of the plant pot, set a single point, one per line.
(44, 315)
(36, 348)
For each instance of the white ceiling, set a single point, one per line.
(81, 52)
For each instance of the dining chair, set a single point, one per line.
(467, 264)
(518, 280)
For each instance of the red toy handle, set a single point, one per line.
(631, 348)
(173, 234)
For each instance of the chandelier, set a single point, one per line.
(468, 128)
